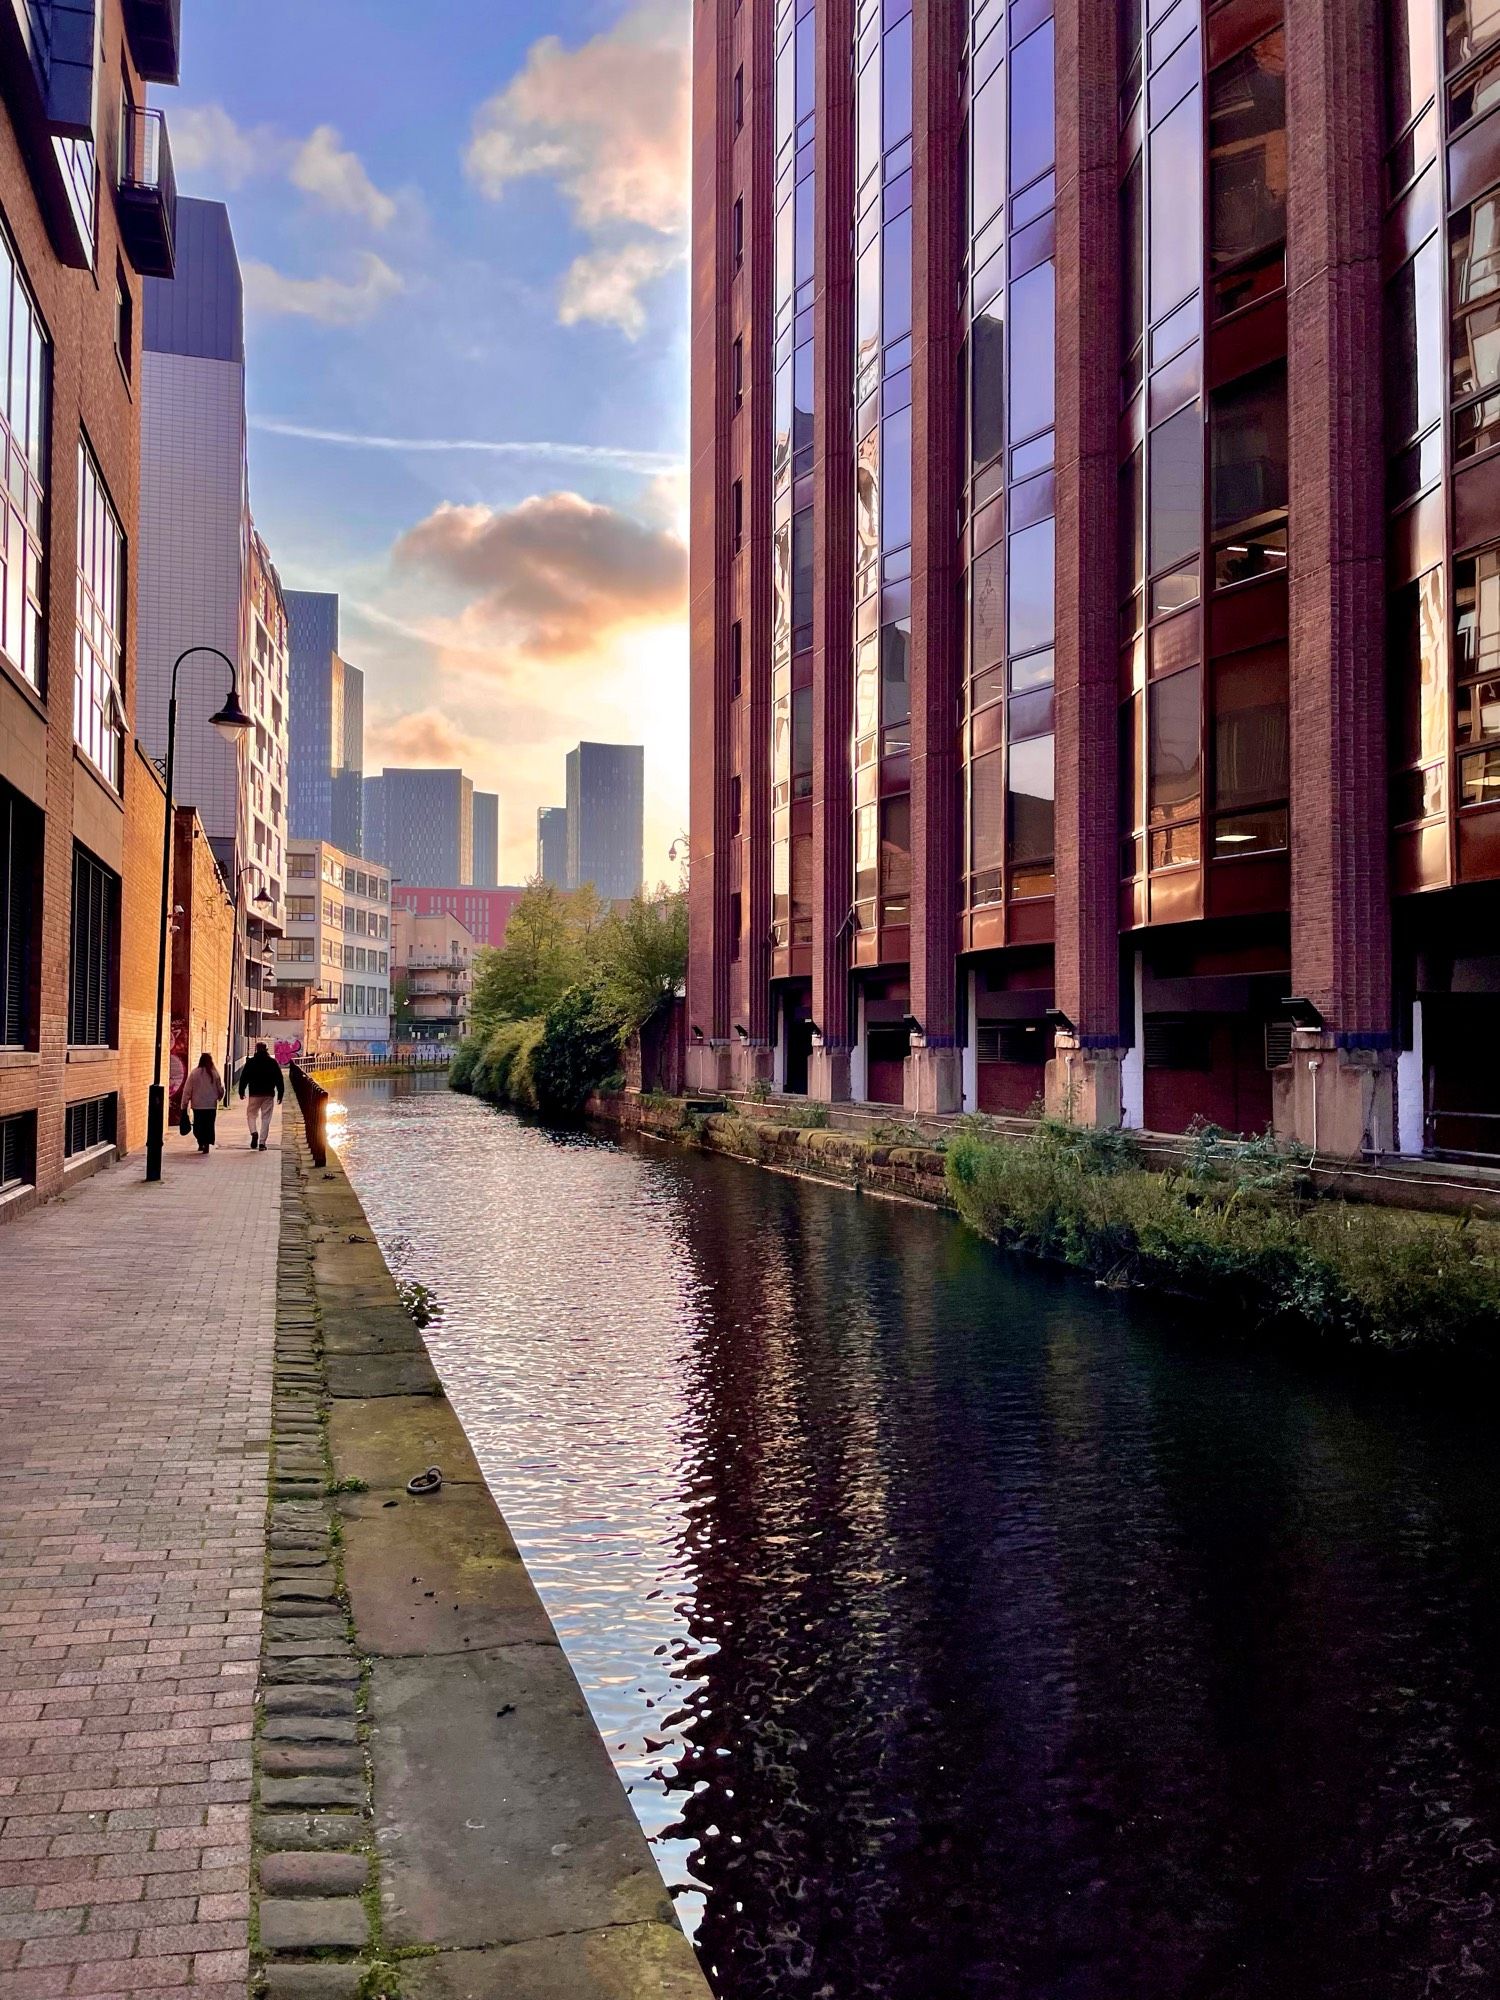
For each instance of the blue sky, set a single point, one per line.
(463, 227)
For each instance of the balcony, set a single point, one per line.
(155, 31)
(148, 193)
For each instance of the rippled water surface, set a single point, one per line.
(959, 1630)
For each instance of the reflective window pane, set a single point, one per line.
(1174, 721)
(1475, 296)
(1248, 449)
(1251, 729)
(1031, 107)
(1176, 243)
(896, 285)
(1247, 152)
(895, 456)
(1411, 59)
(1032, 588)
(1031, 787)
(1176, 501)
(988, 404)
(987, 139)
(1033, 371)
(1413, 349)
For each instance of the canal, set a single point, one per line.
(963, 1632)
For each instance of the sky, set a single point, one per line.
(463, 228)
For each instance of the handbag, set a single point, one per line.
(185, 1122)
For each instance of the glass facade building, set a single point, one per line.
(1096, 533)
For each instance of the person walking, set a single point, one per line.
(202, 1092)
(263, 1087)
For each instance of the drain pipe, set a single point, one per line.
(1315, 1063)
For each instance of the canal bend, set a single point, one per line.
(958, 1629)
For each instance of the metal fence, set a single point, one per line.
(312, 1101)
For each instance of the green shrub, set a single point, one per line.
(1235, 1228)
(579, 1045)
(501, 1073)
(465, 1062)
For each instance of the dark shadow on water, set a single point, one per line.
(960, 1629)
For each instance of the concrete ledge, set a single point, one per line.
(510, 1860)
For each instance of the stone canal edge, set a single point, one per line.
(435, 1813)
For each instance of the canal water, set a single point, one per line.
(958, 1629)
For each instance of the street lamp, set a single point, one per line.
(232, 723)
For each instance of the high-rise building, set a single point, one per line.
(373, 791)
(87, 211)
(206, 578)
(427, 825)
(1170, 786)
(327, 726)
(552, 845)
(606, 804)
(486, 840)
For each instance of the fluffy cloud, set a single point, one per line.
(206, 141)
(608, 124)
(425, 737)
(333, 175)
(556, 577)
(328, 300)
(606, 285)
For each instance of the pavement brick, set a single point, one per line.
(136, 1357)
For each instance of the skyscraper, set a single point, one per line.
(986, 817)
(552, 845)
(486, 840)
(373, 790)
(606, 804)
(206, 577)
(327, 728)
(427, 826)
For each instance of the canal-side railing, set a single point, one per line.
(312, 1101)
(414, 1056)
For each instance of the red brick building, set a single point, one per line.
(1095, 586)
(86, 210)
(484, 913)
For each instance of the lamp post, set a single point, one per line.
(232, 723)
(261, 900)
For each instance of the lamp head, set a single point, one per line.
(231, 721)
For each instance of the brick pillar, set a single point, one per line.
(754, 294)
(833, 543)
(711, 880)
(1083, 1080)
(934, 1081)
(1341, 1076)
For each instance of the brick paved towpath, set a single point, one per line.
(136, 1340)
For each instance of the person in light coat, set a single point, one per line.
(202, 1093)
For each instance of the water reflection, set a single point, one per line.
(959, 1631)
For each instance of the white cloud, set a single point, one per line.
(606, 285)
(607, 123)
(333, 175)
(328, 300)
(206, 140)
(626, 458)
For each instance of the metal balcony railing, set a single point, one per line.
(148, 193)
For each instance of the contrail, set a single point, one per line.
(596, 454)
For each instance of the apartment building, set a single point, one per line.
(1096, 562)
(423, 822)
(87, 212)
(552, 845)
(434, 966)
(484, 913)
(486, 840)
(333, 966)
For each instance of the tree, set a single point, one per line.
(535, 966)
(642, 956)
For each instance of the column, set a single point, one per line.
(1338, 1090)
(833, 545)
(1084, 1081)
(934, 1082)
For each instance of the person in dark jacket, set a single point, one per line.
(262, 1086)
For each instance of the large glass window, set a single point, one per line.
(93, 995)
(1032, 588)
(1176, 500)
(1249, 480)
(1176, 238)
(1475, 296)
(25, 359)
(1247, 153)
(987, 138)
(1477, 672)
(1413, 347)
(1174, 731)
(1251, 733)
(1033, 369)
(98, 702)
(988, 398)
(1470, 26)
(1411, 63)
(1032, 125)
(20, 910)
(1031, 788)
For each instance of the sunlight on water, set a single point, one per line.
(958, 1630)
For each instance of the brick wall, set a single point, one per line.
(93, 394)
